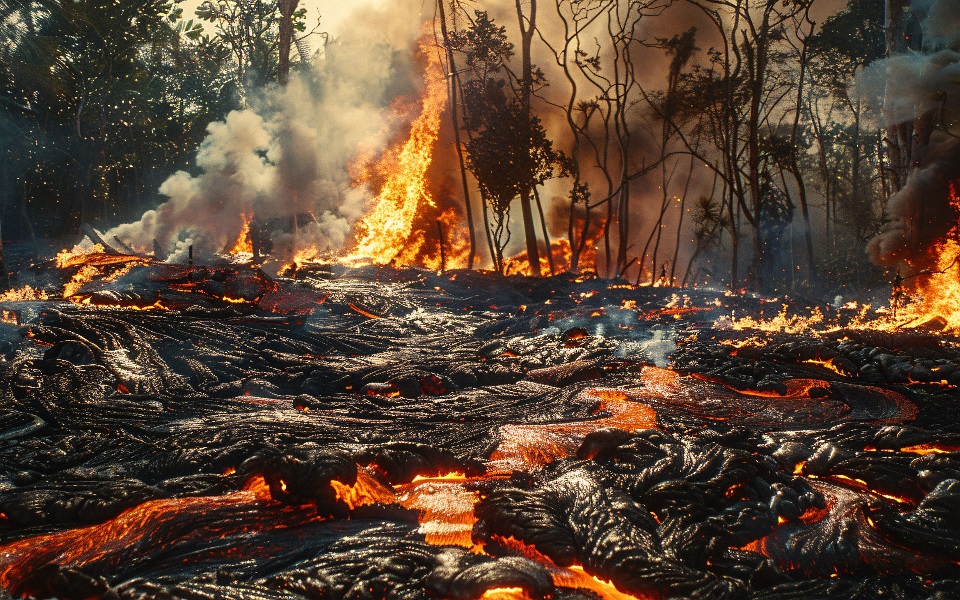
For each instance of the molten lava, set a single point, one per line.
(139, 526)
(527, 446)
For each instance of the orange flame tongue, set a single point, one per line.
(940, 290)
(243, 243)
(383, 233)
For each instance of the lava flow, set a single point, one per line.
(395, 437)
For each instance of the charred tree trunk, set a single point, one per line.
(794, 160)
(734, 242)
(528, 27)
(287, 8)
(4, 276)
(898, 134)
(453, 79)
(683, 207)
(495, 256)
(656, 233)
(533, 252)
(546, 234)
(757, 69)
(907, 142)
(6, 191)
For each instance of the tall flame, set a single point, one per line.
(244, 243)
(940, 291)
(385, 231)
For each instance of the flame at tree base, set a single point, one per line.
(938, 293)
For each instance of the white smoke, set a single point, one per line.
(289, 152)
(922, 83)
(941, 25)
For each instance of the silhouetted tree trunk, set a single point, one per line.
(581, 16)
(6, 192)
(898, 134)
(287, 8)
(453, 79)
(683, 208)
(528, 26)
(795, 148)
(546, 234)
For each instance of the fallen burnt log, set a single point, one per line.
(401, 434)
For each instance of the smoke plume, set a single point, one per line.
(920, 213)
(905, 87)
(289, 152)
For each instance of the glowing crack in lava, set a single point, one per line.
(386, 230)
(140, 529)
(527, 446)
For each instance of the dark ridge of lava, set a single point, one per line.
(398, 434)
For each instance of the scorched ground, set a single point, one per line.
(211, 432)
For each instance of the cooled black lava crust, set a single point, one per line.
(743, 488)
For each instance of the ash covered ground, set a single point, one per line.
(203, 432)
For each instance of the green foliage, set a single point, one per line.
(100, 100)
(852, 38)
(250, 30)
(484, 45)
(509, 152)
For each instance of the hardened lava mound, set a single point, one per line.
(190, 432)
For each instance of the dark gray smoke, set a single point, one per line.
(920, 213)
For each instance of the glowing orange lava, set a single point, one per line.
(513, 593)
(87, 301)
(573, 576)
(527, 446)
(826, 364)
(135, 526)
(367, 490)
(446, 509)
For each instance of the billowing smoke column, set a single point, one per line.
(920, 213)
(921, 86)
(289, 152)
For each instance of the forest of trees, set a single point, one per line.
(717, 141)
